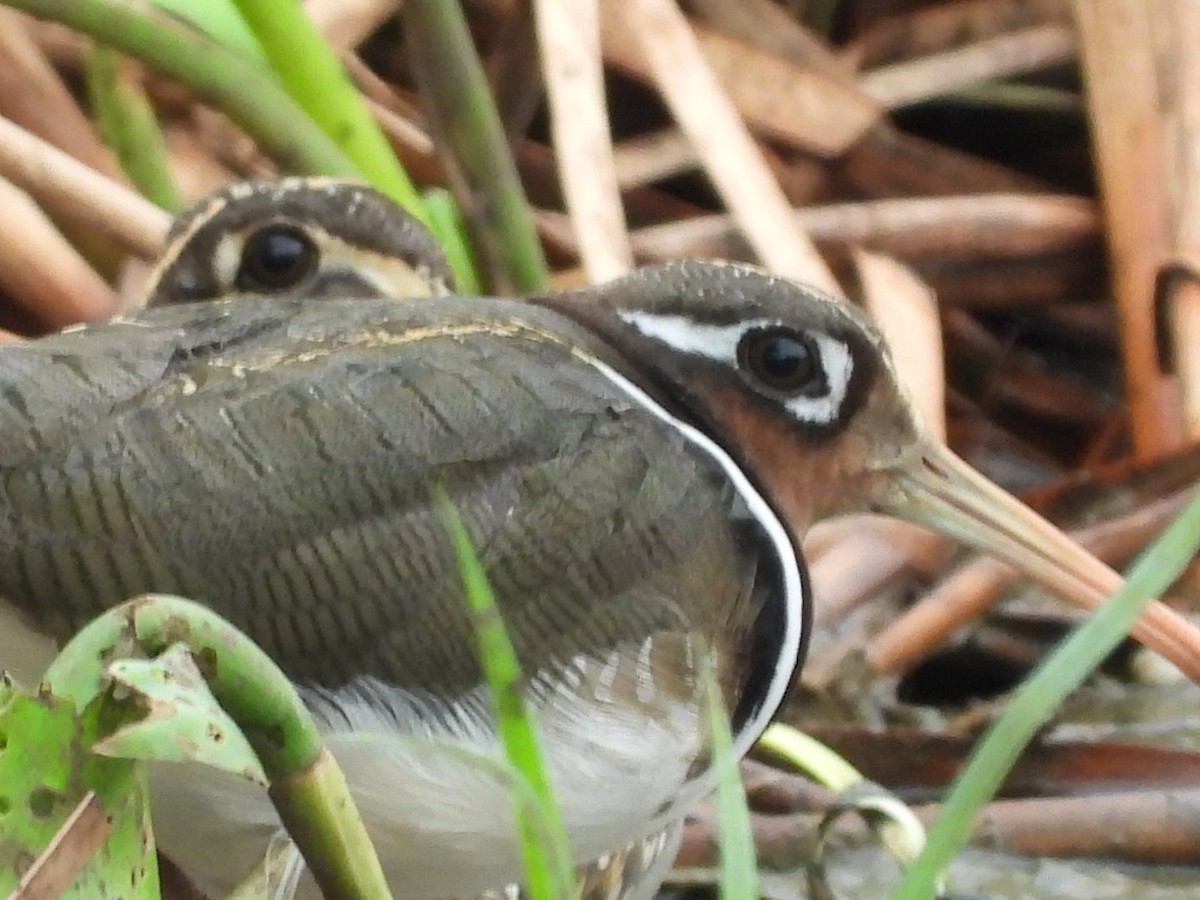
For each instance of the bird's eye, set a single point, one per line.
(275, 258)
(783, 361)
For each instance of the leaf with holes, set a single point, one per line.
(72, 824)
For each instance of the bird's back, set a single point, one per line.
(275, 461)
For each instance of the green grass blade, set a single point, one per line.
(453, 82)
(221, 21)
(446, 222)
(313, 76)
(241, 88)
(1037, 698)
(547, 862)
(129, 128)
(738, 860)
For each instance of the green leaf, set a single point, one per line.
(179, 719)
(46, 776)
(237, 85)
(307, 787)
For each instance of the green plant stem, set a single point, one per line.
(447, 225)
(129, 128)
(544, 844)
(312, 75)
(816, 760)
(243, 90)
(452, 80)
(1037, 698)
(309, 791)
(736, 853)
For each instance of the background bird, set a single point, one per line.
(308, 237)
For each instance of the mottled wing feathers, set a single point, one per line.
(277, 465)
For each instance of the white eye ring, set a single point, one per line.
(719, 343)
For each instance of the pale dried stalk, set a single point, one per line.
(109, 207)
(347, 23)
(799, 106)
(731, 159)
(870, 553)
(33, 95)
(928, 30)
(905, 310)
(568, 33)
(653, 156)
(1116, 41)
(770, 27)
(1004, 224)
(400, 129)
(1179, 21)
(41, 270)
(1007, 54)
(81, 835)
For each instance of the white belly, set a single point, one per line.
(439, 810)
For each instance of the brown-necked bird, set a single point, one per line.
(635, 464)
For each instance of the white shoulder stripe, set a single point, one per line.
(793, 582)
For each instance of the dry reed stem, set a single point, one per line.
(773, 29)
(930, 30)
(41, 270)
(56, 868)
(966, 227)
(1153, 827)
(568, 34)
(906, 311)
(730, 157)
(347, 23)
(1116, 45)
(907, 82)
(32, 94)
(891, 163)
(109, 207)
(653, 156)
(869, 554)
(1178, 22)
(799, 106)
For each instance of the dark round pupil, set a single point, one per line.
(276, 256)
(783, 361)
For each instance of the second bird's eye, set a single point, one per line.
(276, 257)
(782, 360)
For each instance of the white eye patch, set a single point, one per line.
(719, 343)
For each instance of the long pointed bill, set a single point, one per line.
(943, 493)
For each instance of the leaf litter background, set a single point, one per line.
(1009, 186)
